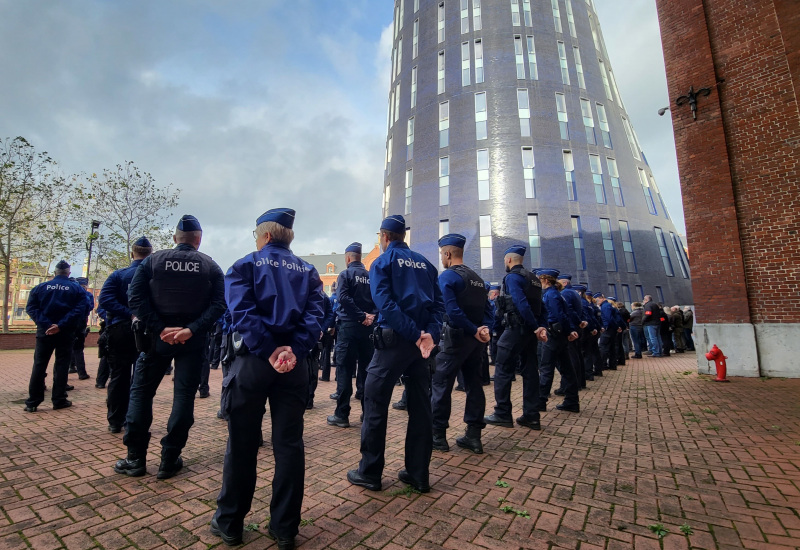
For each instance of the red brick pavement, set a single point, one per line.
(654, 443)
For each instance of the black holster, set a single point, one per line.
(144, 341)
(383, 338)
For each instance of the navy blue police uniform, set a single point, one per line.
(315, 355)
(275, 300)
(523, 315)
(554, 352)
(622, 323)
(587, 312)
(353, 343)
(576, 318)
(178, 287)
(328, 339)
(467, 308)
(81, 331)
(59, 302)
(598, 320)
(406, 292)
(608, 339)
(122, 352)
(102, 350)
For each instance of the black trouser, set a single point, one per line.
(555, 355)
(325, 357)
(462, 356)
(102, 353)
(250, 382)
(214, 349)
(621, 355)
(122, 354)
(205, 374)
(485, 376)
(588, 348)
(514, 342)
(78, 345)
(493, 344)
(608, 350)
(61, 343)
(352, 345)
(382, 373)
(312, 364)
(147, 375)
(576, 360)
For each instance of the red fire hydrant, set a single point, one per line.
(722, 369)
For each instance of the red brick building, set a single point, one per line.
(739, 164)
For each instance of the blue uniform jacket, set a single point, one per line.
(353, 293)
(226, 322)
(406, 291)
(114, 294)
(101, 312)
(556, 308)
(574, 308)
(89, 303)
(57, 302)
(589, 315)
(607, 316)
(329, 317)
(141, 306)
(452, 285)
(515, 285)
(275, 299)
(618, 320)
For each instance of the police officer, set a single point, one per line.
(588, 336)
(79, 341)
(578, 322)
(353, 328)
(102, 351)
(56, 306)
(276, 303)
(560, 333)
(328, 340)
(468, 315)
(122, 352)
(608, 337)
(315, 355)
(176, 295)
(524, 323)
(406, 292)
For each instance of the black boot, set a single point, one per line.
(471, 440)
(133, 466)
(440, 440)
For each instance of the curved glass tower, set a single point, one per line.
(506, 125)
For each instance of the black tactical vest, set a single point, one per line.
(471, 300)
(533, 291)
(181, 285)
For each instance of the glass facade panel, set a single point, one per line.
(662, 246)
(608, 245)
(534, 241)
(577, 242)
(529, 172)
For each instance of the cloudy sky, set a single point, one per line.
(252, 104)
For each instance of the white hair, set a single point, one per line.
(277, 232)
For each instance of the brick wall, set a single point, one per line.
(27, 340)
(738, 163)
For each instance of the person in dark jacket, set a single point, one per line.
(637, 329)
(666, 331)
(652, 326)
(677, 329)
(688, 327)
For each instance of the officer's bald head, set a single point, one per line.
(278, 233)
(192, 238)
(61, 272)
(512, 258)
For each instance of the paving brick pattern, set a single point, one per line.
(654, 443)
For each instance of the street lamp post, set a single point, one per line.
(92, 237)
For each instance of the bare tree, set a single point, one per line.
(129, 204)
(29, 193)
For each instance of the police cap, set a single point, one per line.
(598, 295)
(566, 276)
(83, 281)
(281, 216)
(143, 242)
(62, 265)
(453, 239)
(516, 249)
(395, 224)
(578, 288)
(189, 223)
(494, 286)
(545, 272)
(354, 247)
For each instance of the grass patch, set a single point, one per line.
(659, 530)
(251, 527)
(304, 522)
(518, 513)
(689, 414)
(709, 410)
(686, 529)
(408, 490)
(501, 483)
